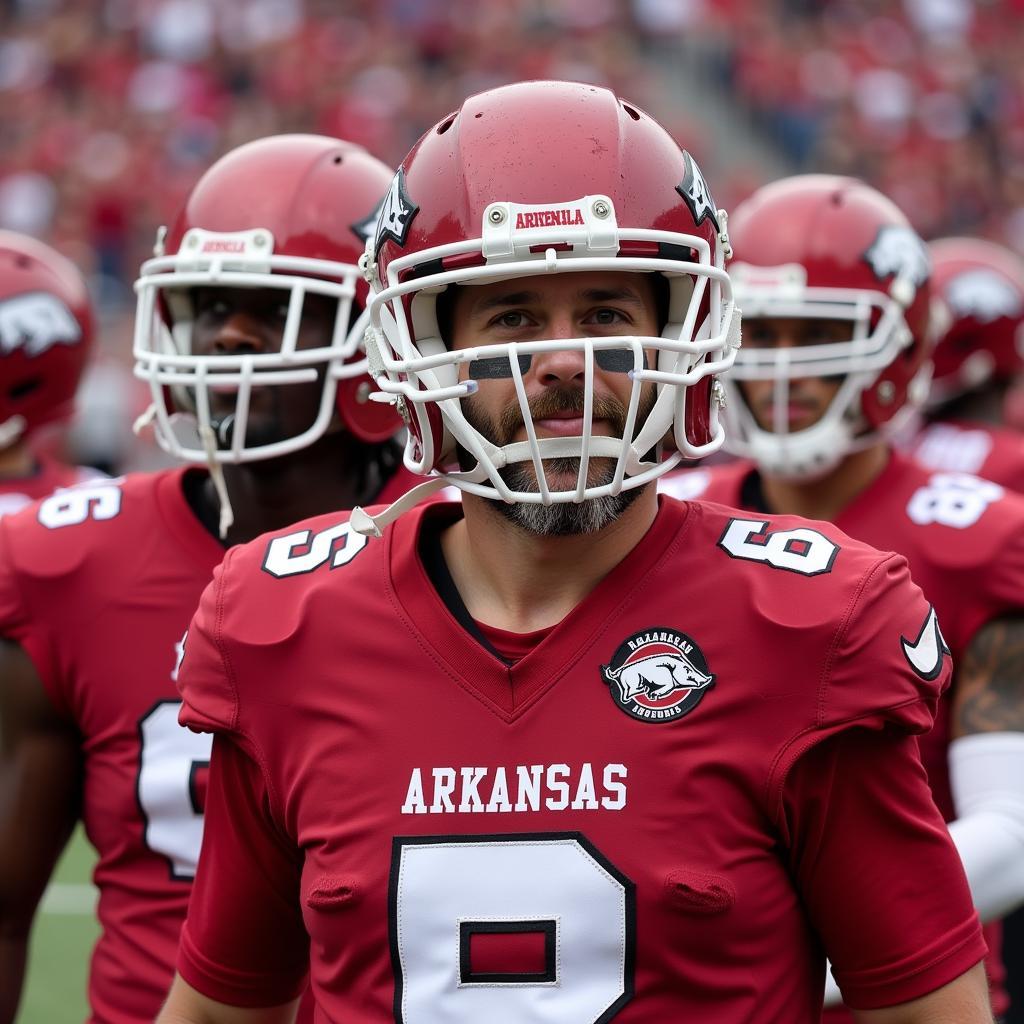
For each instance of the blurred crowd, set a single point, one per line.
(111, 109)
(923, 98)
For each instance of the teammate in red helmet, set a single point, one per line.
(834, 285)
(249, 332)
(979, 352)
(46, 336)
(558, 752)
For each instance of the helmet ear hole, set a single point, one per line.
(368, 421)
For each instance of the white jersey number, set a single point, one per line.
(170, 760)
(74, 505)
(578, 907)
(304, 551)
(952, 499)
(801, 550)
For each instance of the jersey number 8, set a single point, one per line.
(556, 889)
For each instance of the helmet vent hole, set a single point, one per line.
(635, 114)
(445, 124)
(478, 115)
(338, 159)
(22, 262)
(23, 388)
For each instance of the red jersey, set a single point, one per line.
(17, 492)
(659, 813)
(995, 453)
(97, 584)
(964, 540)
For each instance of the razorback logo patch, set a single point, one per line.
(984, 295)
(35, 322)
(658, 675)
(898, 251)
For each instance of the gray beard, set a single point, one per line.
(562, 520)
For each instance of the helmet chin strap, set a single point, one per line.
(373, 526)
(209, 439)
(11, 429)
(209, 442)
(225, 428)
(144, 419)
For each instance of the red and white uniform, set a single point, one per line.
(995, 453)
(650, 816)
(964, 540)
(97, 584)
(17, 492)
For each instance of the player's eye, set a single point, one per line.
(758, 337)
(511, 319)
(608, 317)
(215, 309)
(826, 333)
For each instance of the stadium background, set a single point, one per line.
(111, 109)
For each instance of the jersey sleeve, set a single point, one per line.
(876, 869)
(244, 942)
(17, 622)
(885, 666)
(888, 663)
(205, 677)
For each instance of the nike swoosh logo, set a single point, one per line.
(926, 652)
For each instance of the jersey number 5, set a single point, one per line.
(168, 787)
(554, 943)
(297, 553)
(801, 549)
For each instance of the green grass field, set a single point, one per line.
(62, 939)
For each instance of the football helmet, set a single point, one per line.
(828, 248)
(291, 213)
(978, 311)
(46, 334)
(549, 178)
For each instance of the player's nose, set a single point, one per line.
(238, 334)
(561, 365)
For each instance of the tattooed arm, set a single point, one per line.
(986, 766)
(988, 691)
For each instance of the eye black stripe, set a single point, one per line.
(611, 360)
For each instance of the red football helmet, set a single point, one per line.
(540, 178)
(289, 212)
(978, 290)
(46, 334)
(829, 248)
